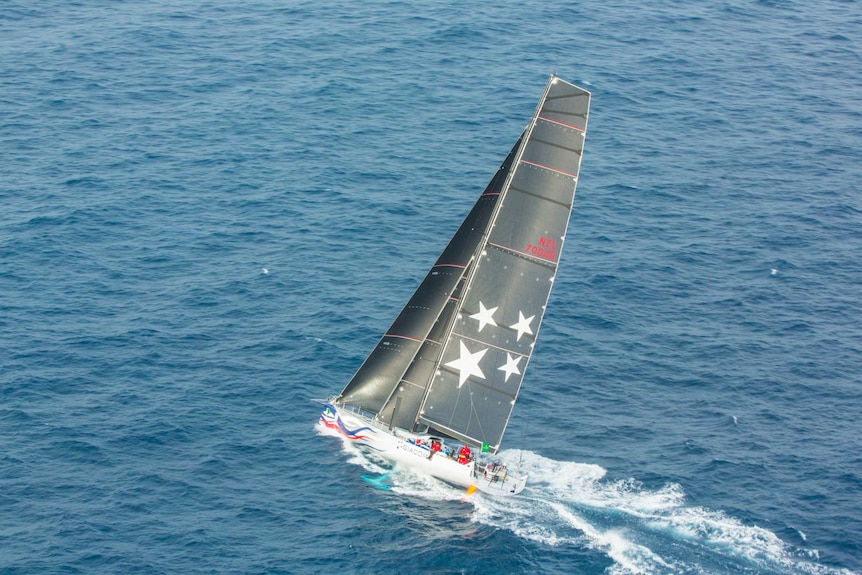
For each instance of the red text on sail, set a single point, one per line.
(545, 249)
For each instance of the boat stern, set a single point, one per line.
(495, 478)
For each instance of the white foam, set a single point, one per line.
(642, 530)
(406, 482)
(555, 523)
(629, 557)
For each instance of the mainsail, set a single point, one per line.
(454, 358)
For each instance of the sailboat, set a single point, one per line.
(436, 393)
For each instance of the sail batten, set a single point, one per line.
(530, 193)
(549, 168)
(562, 123)
(535, 259)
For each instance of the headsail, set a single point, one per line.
(454, 358)
(381, 374)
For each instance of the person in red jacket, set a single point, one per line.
(464, 455)
(435, 447)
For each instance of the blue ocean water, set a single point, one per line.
(211, 211)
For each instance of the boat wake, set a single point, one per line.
(642, 531)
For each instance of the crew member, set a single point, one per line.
(435, 447)
(464, 455)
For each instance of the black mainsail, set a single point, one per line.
(454, 358)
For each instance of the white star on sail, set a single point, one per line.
(468, 364)
(511, 365)
(523, 325)
(485, 316)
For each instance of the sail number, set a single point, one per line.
(546, 249)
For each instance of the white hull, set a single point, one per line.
(402, 448)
